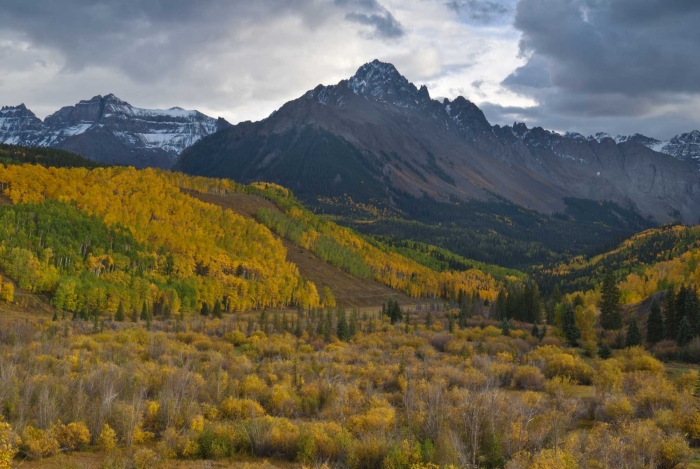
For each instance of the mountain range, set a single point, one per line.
(375, 139)
(109, 130)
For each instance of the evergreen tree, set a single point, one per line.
(685, 332)
(671, 319)
(352, 328)
(450, 323)
(535, 331)
(55, 316)
(610, 315)
(604, 351)
(655, 324)
(120, 316)
(342, 330)
(569, 327)
(429, 320)
(218, 311)
(506, 327)
(634, 337)
(144, 312)
(205, 310)
(263, 321)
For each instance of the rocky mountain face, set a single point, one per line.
(376, 137)
(685, 147)
(110, 130)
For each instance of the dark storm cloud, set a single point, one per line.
(478, 10)
(600, 58)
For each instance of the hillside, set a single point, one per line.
(108, 239)
(349, 291)
(633, 255)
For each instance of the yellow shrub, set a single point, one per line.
(551, 459)
(107, 439)
(375, 419)
(197, 423)
(674, 451)
(618, 408)
(73, 436)
(240, 409)
(7, 291)
(146, 459)
(38, 443)
(142, 436)
(8, 447)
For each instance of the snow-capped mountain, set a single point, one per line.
(110, 130)
(685, 147)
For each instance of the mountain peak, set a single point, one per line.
(380, 80)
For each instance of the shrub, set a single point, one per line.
(37, 443)
(73, 436)
(108, 439)
(216, 442)
(528, 377)
(240, 409)
(146, 459)
(675, 451)
(8, 447)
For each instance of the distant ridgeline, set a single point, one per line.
(118, 240)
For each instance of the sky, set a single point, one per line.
(617, 66)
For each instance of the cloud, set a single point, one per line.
(373, 14)
(608, 58)
(479, 10)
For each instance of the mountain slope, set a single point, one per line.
(685, 147)
(377, 137)
(109, 130)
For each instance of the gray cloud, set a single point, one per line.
(479, 10)
(608, 58)
(374, 14)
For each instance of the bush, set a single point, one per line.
(216, 442)
(37, 443)
(240, 409)
(146, 459)
(108, 439)
(73, 436)
(528, 377)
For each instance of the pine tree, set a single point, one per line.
(450, 323)
(144, 312)
(506, 327)
(685, 332)
(429, 320)
(535, 331)
(569, 327)
(205, 310)
(342, 330)
(218, 311)
(634, 337)
(610, 315)
(119, 316)
(655, 324)
(671, 319)
(604, 351)
(55, 316)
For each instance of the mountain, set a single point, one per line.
(376, 140)
(685, 147)
(109, 130)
